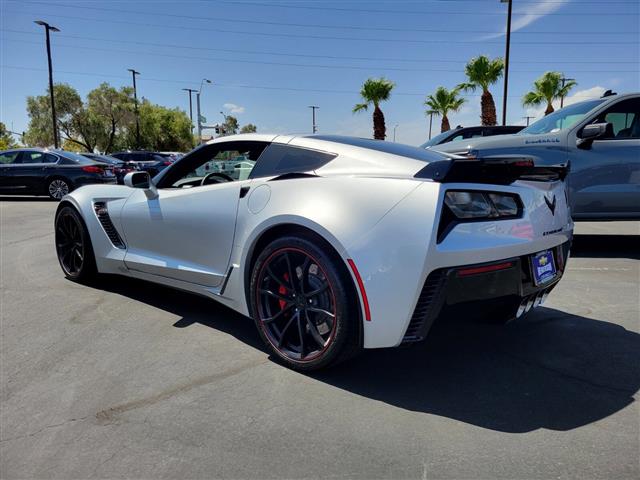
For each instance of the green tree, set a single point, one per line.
(230, 125)
(161, 129)
(442, 102)
(481, 73)
(68, 106)
(109, 111)
(249, 128)
(546, 89)
(6, 140)
(373, 92)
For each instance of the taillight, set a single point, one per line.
(92, 169)
(476, 204)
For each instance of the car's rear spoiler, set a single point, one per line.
(500, 170)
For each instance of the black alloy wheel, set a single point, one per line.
(73, 246)
(301, 305)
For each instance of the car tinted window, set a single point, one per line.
(436, 140)
(561, 119)
(278, 159)
(8, 157)
(624, 117)
(400, 149)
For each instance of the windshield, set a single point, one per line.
(561, 119)
(436, 140)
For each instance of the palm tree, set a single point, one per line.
(547, 89)
(374, 91)
(482, 73)
(442, 102)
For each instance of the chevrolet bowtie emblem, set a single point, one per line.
(551, 203)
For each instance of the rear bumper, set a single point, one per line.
(455, 291)
(95, 181)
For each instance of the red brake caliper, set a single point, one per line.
(282, 291)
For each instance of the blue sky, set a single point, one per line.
(270, 59)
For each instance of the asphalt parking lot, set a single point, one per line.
(139, 381)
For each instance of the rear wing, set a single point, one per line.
(497, 170)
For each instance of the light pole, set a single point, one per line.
(506, 62)
(135, 99)
(430, 124)
(48, 28)
(204, 80)
(314, 127)
(394, 131)
(190, 91)
(564, 81)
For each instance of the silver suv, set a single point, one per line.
(599, 139)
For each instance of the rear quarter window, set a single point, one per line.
(278, 159)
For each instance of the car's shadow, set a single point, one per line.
(550, 370)
(606, 246)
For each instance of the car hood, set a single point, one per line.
(500, 142)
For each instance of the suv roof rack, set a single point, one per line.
(608, 93)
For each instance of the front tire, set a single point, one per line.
(73, 246)
(303, 302)
(58, 188)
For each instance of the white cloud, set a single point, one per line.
(534, 12)
(233, 108)
(578, 96)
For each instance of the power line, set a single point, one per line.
(288, 64)
(287, 24)
(421, 12)
(247, 86)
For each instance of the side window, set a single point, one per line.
(456, 138)
(279, 159)
(624, 117)
(216, 163)
(8, 157)
(49, 158)
(32, 157)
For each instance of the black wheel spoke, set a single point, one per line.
(286, 327)
(69, 244)
(278, 315)
(320, 310)
(317, 291)
(314, 331)
(301, 335)
(290, 272)
(275, 277)
(275, 295)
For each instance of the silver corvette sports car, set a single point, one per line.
(331, 244)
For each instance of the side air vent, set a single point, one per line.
(427, 308)
(103, 216)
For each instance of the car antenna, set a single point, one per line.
(608, 93)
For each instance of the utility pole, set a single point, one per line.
(190, 91)
(394, 131)
(204, 80)
(135, 98)
(564, 81)
(527, 118)
(48, 28)
(506, 62)
(314, 127)
(430, 124)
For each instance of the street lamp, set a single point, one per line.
(394, 131)
(506, 62)
(430, 124)
(48, 28)
(564, 81)
(135, 98)
(204, 80)
(190, 90)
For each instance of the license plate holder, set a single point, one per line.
(543, 267)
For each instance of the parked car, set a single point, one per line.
(152, 162)
(463, 133)
(120, 167)
(302, 246)
(599, 139)
(38, 171)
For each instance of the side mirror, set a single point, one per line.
(141, 180)
(592, 132)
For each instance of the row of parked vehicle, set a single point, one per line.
(39, 171)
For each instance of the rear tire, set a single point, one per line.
(73, 246)
(302, 300)
(58, 188)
